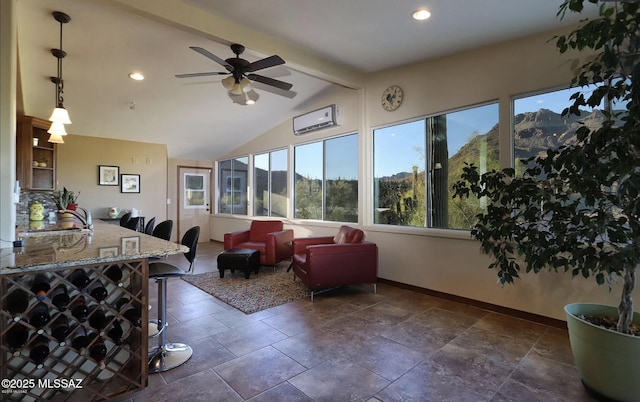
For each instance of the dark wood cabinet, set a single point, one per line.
(35, 156)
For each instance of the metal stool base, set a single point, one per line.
(153, 329)
(168, 357)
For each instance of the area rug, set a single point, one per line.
(261, 291)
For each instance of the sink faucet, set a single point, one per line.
(85, 220)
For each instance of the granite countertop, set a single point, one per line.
(45, 250)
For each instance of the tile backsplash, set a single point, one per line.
(27, 198)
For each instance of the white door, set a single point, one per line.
(195, 200)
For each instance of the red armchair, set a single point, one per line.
(331, 261)
(268, 237)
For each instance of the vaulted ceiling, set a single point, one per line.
(324, 43)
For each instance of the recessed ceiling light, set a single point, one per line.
(136, 76)
(421, 14)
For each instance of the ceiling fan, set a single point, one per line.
(238, 84)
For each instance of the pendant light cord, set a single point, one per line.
(60, 83)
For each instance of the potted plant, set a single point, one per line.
(577, 208)
(66, 199)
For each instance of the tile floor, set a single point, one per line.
(353, 345)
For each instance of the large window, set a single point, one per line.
(270, 184)
(416, 163)
(232, 186)
(326, 180)
(538, 123)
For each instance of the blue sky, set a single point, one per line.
(398, 148)
(342, 158)
(555, 101)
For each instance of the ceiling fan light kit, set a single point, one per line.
(236, 89)
(238, 83)
(60, 115)
(228, 82)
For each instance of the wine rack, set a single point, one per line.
(26, 335)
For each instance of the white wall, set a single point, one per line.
(442, 260)
(8, 71)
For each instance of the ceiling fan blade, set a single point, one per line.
(270, 81)
(274, 90)
(190, 75)
(212, 56)
(267, 62)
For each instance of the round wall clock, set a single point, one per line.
(391, 98)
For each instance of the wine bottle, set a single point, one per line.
(121, 302)
(60, 329)
(79, 338)
(79, 309)
(16, 338)
(80, 279)
(60, 297)
(39, 316)
(114, 273)
(17, 302)
(98, 350)
(115, 333)
(98, 291)
(40, 286)
(98, 319)
(131, 313)
(39, 350)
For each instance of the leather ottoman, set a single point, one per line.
(244, 259)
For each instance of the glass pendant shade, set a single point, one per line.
(236, 89)
(60, 115)
(56, 139)
(228, 82)
(245, 84)
(57, 128)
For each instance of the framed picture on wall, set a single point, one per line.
(108, 175)
(129, 183)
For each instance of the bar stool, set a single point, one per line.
(133, 223)
(124, 219)
(167, 355)
(163, 230)
(150, 225)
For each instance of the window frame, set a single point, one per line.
(222, 179)
(426, 229)
(269, 154)
(323, 206)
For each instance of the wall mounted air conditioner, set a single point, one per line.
(318, 119)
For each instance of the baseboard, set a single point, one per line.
(552, 322)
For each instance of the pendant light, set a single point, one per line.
(60, 116)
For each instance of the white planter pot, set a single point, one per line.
(608, 361)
